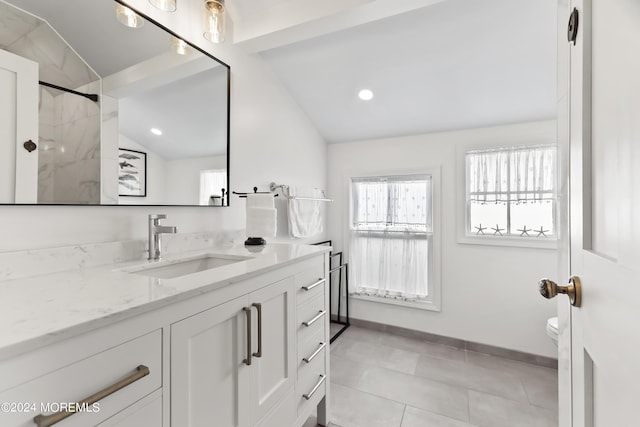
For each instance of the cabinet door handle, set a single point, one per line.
(318, 283)
(49, 420)
(247, 311)
(315, 388)
(258, 307)
(315, 353)
(315, 319)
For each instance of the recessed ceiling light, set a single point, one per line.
(365, 95)
(156, 131)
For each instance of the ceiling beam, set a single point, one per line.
(296, 20)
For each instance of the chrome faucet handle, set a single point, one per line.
(157, 216)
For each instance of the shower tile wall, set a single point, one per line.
(34, 39)
(69, 130)
(77, 164)
(46, 147)
(109, 151)
(69, 149)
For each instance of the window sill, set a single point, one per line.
(518, 242)
(422, 305)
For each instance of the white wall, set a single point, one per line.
(489, 293)
(271, 140)
(183, 177)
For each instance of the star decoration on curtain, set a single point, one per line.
(497, 230)
(524, 231)
(541, 232)
(480, 229)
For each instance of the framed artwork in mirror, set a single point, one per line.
(132, 173)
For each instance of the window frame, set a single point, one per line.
(465, 235)
(434, 299)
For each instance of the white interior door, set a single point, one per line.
(18, 123)
(604, 125)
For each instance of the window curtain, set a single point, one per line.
(514, 175)
(391, 236)
(211, 184)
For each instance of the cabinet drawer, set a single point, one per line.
(144, 413)
(311, 317)
(121, 370)
(311, 385)
(310, 282)
(310, 349)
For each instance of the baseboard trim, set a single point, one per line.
(534, 359)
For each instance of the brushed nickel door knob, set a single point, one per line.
(549, 289)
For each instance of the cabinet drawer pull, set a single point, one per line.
(49, 420)
(258, 307)
(318, 283)
(315, 388)
(315, 319)
(315, 353)
(247, 311)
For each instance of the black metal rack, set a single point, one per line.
(255, 191)
(342, 266)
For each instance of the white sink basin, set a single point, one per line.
(172, 269)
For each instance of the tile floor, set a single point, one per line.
(384, 380)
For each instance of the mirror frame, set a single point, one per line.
(228, 124)
(228, 67)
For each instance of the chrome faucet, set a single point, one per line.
(155, 231)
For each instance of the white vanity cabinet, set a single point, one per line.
(233, 363)
(228, 355)
(237, 364)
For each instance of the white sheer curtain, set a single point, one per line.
(391, 236)
(211, 184)
(519, 174)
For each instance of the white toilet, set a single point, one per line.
(552, 329)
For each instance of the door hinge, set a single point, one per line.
(572, 29)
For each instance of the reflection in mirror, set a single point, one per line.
(119, 115)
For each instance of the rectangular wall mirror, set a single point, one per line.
(100, 113)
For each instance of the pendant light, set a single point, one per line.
(180, 46)
(214, 21)
(165, 5)
(128, 17)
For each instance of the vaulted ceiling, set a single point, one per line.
(434, 66)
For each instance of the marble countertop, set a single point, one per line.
(39, 310)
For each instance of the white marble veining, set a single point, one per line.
(109, 151)
(77, 182)
(36, 262)
(71, 107)
(14, 24)
(46, 146)
(75, 174)
(30, 37)
(36, 311)
(59, 64)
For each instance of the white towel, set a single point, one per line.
(260, 201)
(261, 222)
(305, 216)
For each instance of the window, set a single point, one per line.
(391, 247)
(211, 184)
(511, 192)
